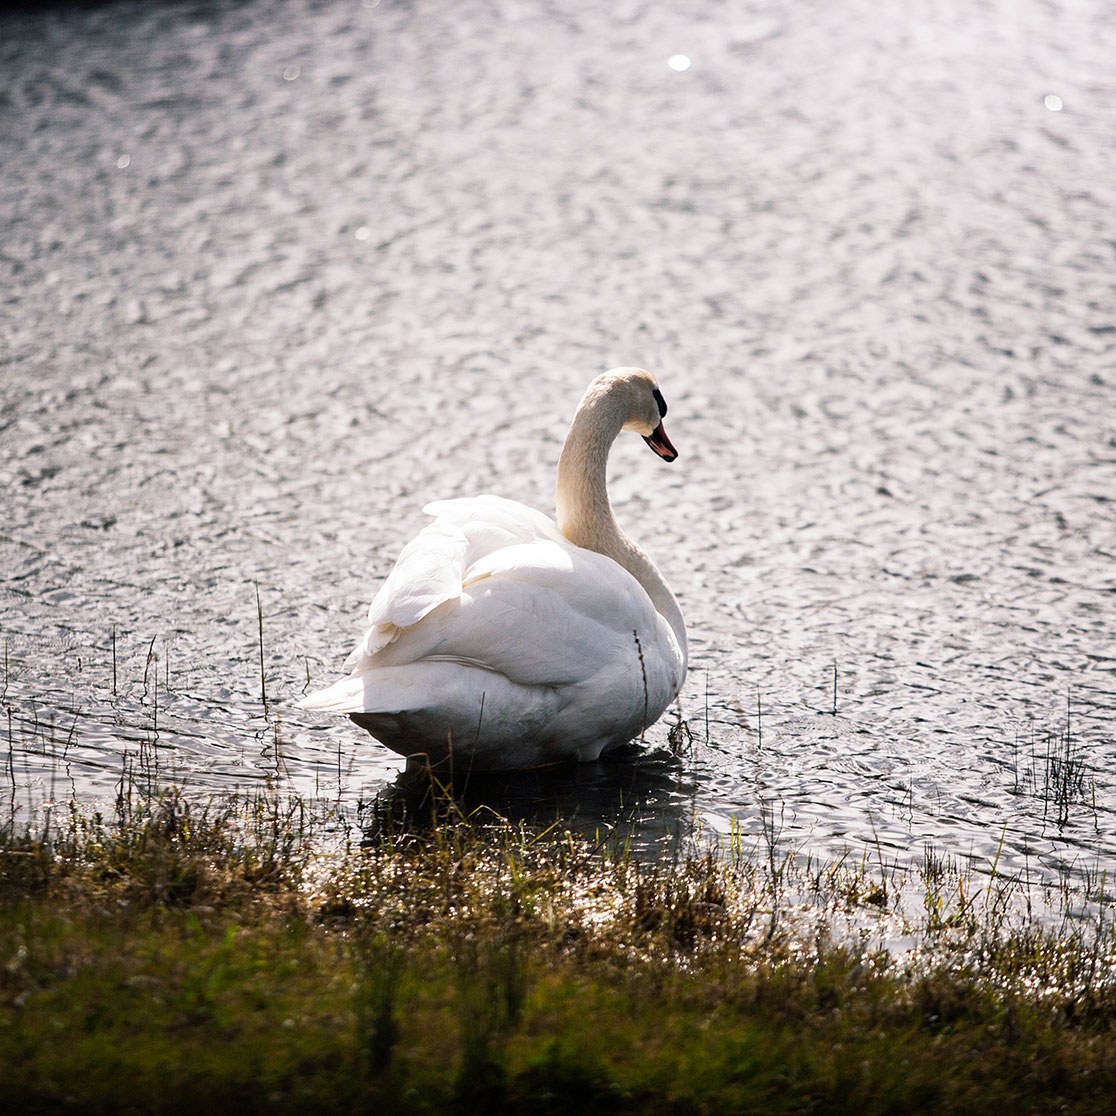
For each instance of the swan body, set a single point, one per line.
(505, 640)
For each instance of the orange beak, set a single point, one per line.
(660, 443)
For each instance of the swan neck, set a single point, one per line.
(584, 511)
(585, 514)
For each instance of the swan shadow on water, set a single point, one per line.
(633, 800)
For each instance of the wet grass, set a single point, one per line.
(183, 956)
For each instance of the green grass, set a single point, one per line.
(180, 957)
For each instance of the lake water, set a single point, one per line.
(274, 274)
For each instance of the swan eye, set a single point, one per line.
(660, 402)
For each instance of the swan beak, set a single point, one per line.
(660, 443)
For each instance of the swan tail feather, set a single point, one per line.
(345, 696)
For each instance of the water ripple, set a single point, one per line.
(275, 274)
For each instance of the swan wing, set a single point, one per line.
(538, 614)
(493, 521)
(432, 568)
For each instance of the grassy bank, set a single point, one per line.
(179, 956)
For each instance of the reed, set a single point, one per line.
(1066, 775)
(260, 631)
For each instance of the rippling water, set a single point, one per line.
(274, 274)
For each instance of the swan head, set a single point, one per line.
(644, 405)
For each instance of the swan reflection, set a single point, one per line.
(633, 801)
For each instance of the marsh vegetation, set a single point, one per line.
(176, 954)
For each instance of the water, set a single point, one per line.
(275, 274)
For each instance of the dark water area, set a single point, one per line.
(273, 275)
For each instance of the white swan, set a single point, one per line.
(502, 640)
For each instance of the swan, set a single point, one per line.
(503, 640)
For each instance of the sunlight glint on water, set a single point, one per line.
(308, 297)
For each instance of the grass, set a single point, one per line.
(180, 956)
